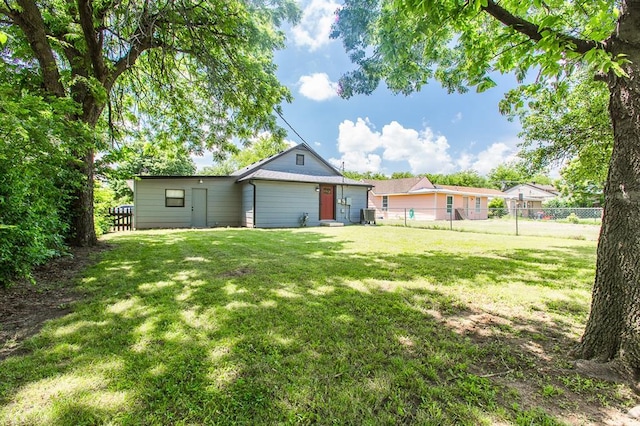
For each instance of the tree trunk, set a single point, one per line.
(82, 232)
(613, 329)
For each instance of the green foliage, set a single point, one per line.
(470, 178)
(103, 199)
(143, 158)
(573, 218)
(253, 151)
(407, 43)
(34, 157)
(400, 175)
(187, 76)
(365, 175)
(497, 208)
(568, 123)
(505, 176)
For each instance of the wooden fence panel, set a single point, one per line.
(121, 219)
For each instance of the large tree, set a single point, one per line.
(462, 42)
(569, 127)
(195, 72)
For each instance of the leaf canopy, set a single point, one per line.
(462, 44)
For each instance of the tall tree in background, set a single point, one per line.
(469, 178)
(142, 158)
(570, 127)
(461, 43)
(262, 147)
(197, 72)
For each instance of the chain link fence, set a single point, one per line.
(576, 223)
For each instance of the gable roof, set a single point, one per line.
(241, 173)
(262, 174)
(399, 186)
(548, 190)
(422, 185)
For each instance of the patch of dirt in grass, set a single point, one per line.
(237, 272)
(25, 307)
(529, 360)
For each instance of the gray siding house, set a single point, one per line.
(273, 193)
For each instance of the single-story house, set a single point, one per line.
(529, 197)
(426, 201)
(295, 187)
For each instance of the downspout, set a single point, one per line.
(254, 203)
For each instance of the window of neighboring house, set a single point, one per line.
(300, 159)
(385, 203)
(174, 197)
(477, 204)
(449, 203)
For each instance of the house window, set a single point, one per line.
(449, 203)
(174, 197)
(300, 159)
(477, 204)
(385, 203)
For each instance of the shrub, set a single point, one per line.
(34, 172)
(103, 198)
(573, 218)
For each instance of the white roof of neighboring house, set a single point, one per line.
(532, 191)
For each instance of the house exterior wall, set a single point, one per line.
(282, 204)
(350, 213)
(247, 206)
(223, 202)
(430, 206)
(312, 165)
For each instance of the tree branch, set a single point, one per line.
(141, 40)
(85, 13)
(32, 25)
(532, 31)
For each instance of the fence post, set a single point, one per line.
(451, 219)
(516, 219)
(405, 217)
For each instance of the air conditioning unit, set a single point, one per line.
(368, 216)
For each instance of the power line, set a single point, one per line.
(290, 126)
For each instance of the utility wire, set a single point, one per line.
(290, 126)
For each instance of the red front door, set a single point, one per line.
(327, 202)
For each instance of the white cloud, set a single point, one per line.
(358, 162)
(465, 161)
(315, 25)
(497, 153)
(457, 118)
(357, 136)
(424, 151)
(364, 149)
(318, 87)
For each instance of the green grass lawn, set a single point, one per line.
(354, 325)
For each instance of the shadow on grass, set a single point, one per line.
(252, 327)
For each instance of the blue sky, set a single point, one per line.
(427, 132)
